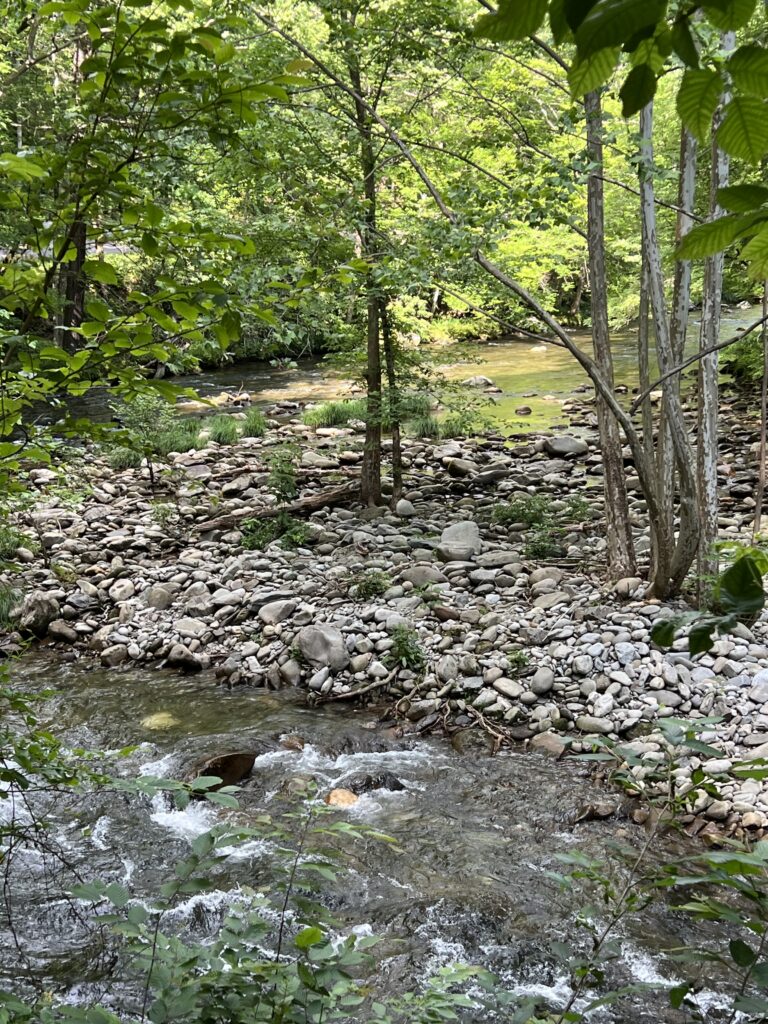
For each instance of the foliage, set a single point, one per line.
(223, 429)
(372, 583)
(10, 540)
(425, 426)
(282, 473)
(9, 598)
(254, 424)
(335, 414)
(259, 533)
(151, 428)
(737, 596)
(530, 511)
(543, 542)
(406, 651)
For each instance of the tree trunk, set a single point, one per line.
(708, 368)
(621, 555)
(371, 468)
(393, 392)
(673, 560)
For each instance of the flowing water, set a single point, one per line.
(466, 883)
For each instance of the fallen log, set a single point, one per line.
(311, 503)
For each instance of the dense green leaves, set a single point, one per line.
(612, 22)
(744, 131)
(697, 100)
(512, 20)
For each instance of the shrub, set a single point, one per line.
(9, 598)
(258, 533)
(425, 426)
(223, 429)
(120, 457)
(181, 437)
(336, 414)
(372, 583)
(406, 651)
(458, 424)
(530, 511)
(10, 540)
(254, 424)
(577, 509)
(282, 473)
(543, 543)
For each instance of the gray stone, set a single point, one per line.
(498, 559)
(447, 668)
(61, 630)
(461, 467)
(192, 629)
(550, 600)
(35, 613)
(508, 687)
(546, 572)
(422, 575)
(565, 445)
(543, 680)
(157, 596)
(122, 590)
(590, 723)
(182, 658)
(114, 655)
(405, 508)
(323, 645)
(548, 743)
(460, 541)
(276, 611)
(667, 698)
(758, 692)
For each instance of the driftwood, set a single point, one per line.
(310, 503)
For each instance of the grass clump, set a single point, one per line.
(9, 598)
(425, 426)
(372, 583)
(543, 543)
(223, 429)
(254, 424)
(406, 651)
(182, 436)
(530, 511)
(259, 533)
(336, 414)
(120, 457)
(10, 540)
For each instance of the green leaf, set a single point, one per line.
(557, 21)
(744, 131)
(748, 67)
(591, 72)
(740, 588)
(100, 271)
(742, 198)
(714, 236)
(677, 996)
(742, 954)
(19, 167)
(309, 937)
(513, 20)
(755, 252)
(638, 89)
(700, 636)
(730, 14)
(683, 43)
(613, 22)
(663, 632)
(697, 100)
(576, 11)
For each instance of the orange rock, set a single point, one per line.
(341, 798)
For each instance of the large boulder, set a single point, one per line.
(565, 445)
(323, 646)
(183, 659)
(459, 542)
(365, 782)
(230, 768)
(35, 613)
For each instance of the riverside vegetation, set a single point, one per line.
(188, 182)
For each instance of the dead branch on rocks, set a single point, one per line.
(311, 503)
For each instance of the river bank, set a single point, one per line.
(445, 611)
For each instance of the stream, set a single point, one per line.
(467, 882)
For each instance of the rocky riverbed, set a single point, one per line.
(469, 627)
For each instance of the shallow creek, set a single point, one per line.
(467, 882)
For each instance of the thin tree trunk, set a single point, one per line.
(370, 479)
(620, 549)
(393, 392)
(761, 468)
(707, 448)
(673, 560)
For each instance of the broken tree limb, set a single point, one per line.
(310, 503)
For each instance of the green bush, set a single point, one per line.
(425, 426)
(9, 598)
(223, 429)
(258, 533)
(254, 424)
(530, 511)
(544, 542)
(336, 414)
(10, 540)
(372, 583)
(406, 651)
(120, 457)
(182, 436)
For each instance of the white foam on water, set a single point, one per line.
(644, 968)
(161, 768)
(99, 833)
(130, 867)
(197, 817)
